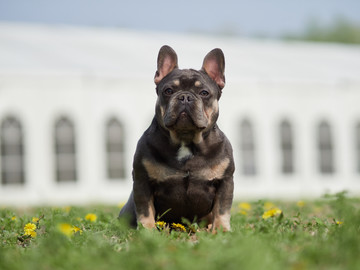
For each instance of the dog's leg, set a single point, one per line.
(144, 202)
(128, 211)
(222, 205)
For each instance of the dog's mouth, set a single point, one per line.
(184, 121)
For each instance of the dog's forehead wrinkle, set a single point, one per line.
(186, 77)
(188, 82)
(193, 79)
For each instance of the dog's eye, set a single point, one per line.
(168, 92)
(204, 93)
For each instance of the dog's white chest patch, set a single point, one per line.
(184, 152)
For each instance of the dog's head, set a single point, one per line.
(187, 104)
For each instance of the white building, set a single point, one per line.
(74, 102)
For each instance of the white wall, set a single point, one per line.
(92, 74)
(304, 105)
(90, 101)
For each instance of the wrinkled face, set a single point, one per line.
(187, 104)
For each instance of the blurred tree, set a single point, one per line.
(341, 30)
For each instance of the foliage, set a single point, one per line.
(340, 30)
(321, 234)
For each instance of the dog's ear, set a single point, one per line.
(214, 66)
(166, 62)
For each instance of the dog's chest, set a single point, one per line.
(193, 170)
(184, 153)
(189, 190)
(185, 197)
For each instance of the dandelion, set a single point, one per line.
(244, 206)
(91, 217)
(339, 222)
(77, 229)
(35, 219)
(243, 212)
(317, 209)
(121, 205)
(271, 213)
(29, 229)
(160, 224)
(33, 234)
(300, 204)
(13, 218)
(178, 227)
(66, 229)
(269, 205)
(69, 230)
(67, 209)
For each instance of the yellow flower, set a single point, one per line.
(67, 209)
(91, 217)
(339, 222)
(300, 204)
(66, 229)
(69, 230)
(77, 229)
(244, 206)
(243, 212)
(32, 234)
(29, 229)
(269, 205)
(35, 219)
(13, 218)
(178, 227)
(121, 205)
(317, 209)
(160, 224)
(271, 213)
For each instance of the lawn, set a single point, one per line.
(317, 234)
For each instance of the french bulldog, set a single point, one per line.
(183, 165)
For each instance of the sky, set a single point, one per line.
(242, 17)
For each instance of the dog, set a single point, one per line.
(183, 165)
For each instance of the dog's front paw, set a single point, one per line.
(147, 222)
(221, 222)
(149, 225)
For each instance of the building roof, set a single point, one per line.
(59, 49)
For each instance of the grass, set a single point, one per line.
(319, 234)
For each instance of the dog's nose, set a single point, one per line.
(185, 98)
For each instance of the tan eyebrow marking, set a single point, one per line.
(177, 82)
(198, 83)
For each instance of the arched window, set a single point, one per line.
(12, 152)
(325, 147)
(65, 150)
(247, 148)
(286, 147)
(357, 131)
(115, 149)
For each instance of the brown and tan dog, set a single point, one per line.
(183, 163)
